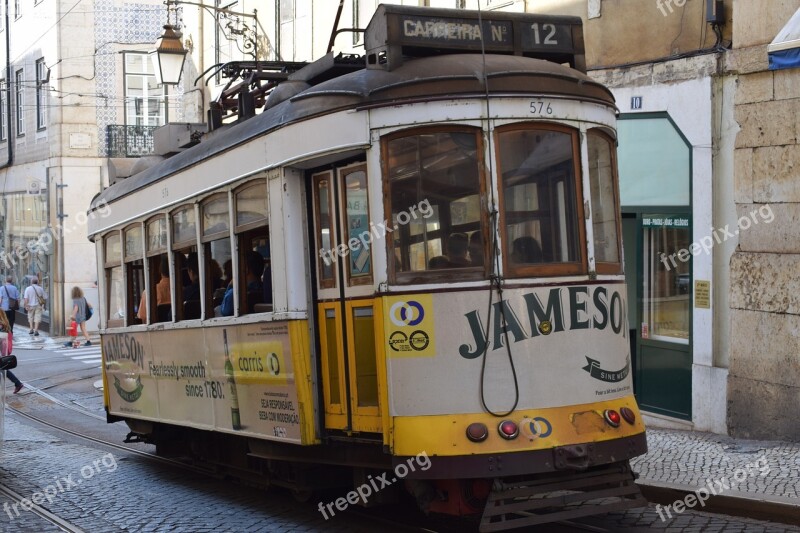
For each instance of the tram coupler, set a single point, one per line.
(132, 438)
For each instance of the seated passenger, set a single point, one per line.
(253, 268)
(476, 248)
(440, 261)
(163, 296)
(526, 250)
(457, 246)
(225, 307)
(191, 292)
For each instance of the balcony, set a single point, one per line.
(129, 141)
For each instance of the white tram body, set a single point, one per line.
(382, 339)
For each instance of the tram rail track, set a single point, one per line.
(67, 526)
(38, 510)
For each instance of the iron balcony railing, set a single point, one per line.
(129, 141)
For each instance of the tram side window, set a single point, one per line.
(158, 267)
(434, 196)
(187, 271)
(605, 202)
(134, 272)
(115, 284)
(252, 233)
(217, 251)
(540, 212)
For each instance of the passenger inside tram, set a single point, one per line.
(476, 248)
(526, 250)
(161, 294)
(457, 247)
(191, 292)
(254, 268)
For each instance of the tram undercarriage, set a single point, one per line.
(562, 483)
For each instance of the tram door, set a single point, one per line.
(345, 305)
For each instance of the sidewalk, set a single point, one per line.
(25, 341)
(748, 471)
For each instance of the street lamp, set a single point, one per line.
(169, 56)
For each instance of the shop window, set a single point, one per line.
(605, 203)
(540, 212)
(667, 278)
(435, 190)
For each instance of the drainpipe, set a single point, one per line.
(8, 96)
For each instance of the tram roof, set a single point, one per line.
(429, 78)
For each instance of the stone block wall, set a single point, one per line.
(764, 374)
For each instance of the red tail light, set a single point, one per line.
(508, 429)
(477, 432)
(628, 414)
(612, 418)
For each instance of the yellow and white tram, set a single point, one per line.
(417, 256)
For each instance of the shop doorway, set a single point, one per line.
(658, 269)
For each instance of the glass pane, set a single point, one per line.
(219, 272)
(133, 242)
(604, 208)
(539, 197)
(325, 236)
(653, 163)
(215, 215)
(135, 271)
(435, 192)
(333, 356)
(366, 362)
(358, 230)
(113, 248)
(157, 234)
(183, 226)
(116, 290)
(251, 204)
(667, 278)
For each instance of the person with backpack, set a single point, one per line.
(9, 300)
(35, 301)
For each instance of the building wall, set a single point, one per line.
(764, 380)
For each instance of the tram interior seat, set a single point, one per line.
(163, 313)
(526, 250)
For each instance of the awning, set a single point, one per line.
(784, 51)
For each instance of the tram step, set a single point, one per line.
(515, 503)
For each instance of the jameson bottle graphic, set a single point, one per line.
(236, 421)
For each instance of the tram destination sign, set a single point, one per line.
(397, 31)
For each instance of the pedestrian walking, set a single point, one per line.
(79, 316)
(9, 300)
(35, 301)
(6, 337)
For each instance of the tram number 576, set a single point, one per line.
(541, 108)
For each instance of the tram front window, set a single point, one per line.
(539, 208)
(434, 186)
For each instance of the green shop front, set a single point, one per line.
(655, 168)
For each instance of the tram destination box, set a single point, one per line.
(396, 32)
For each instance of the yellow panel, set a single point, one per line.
(383, 388)
(335, 413)
(364, 417)
(301, 360)
(539, 429)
